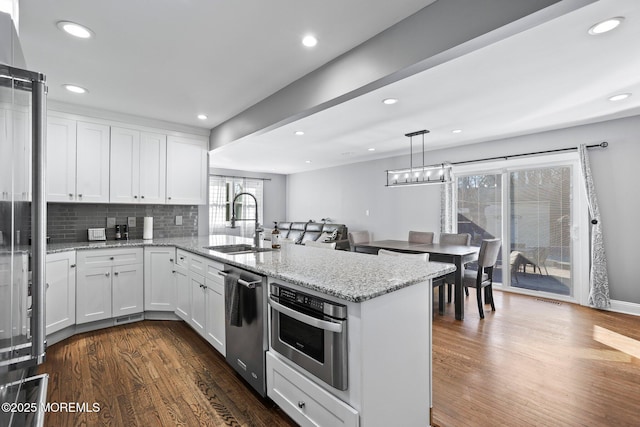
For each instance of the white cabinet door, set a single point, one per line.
(124, 180)
(92, 163)
(61, 160)
(153, 168)
(183, 292)
(15, 153)
(127, 290)
(93, 294)
(60, 291)
(198, 303)
(186, 171)
(214, 332)
(159, 282)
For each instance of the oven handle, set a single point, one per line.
(311, 321)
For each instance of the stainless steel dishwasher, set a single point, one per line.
(246, 325)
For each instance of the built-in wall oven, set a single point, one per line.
(311, 332)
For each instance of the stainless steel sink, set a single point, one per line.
(237, 249)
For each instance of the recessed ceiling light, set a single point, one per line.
(299, 133)
(75, 30)
(309, 41)
(371, 149)
(75, 89)
(389, 101)
(202, 116)
(456, 131)
(619, 97)
(307, 161)
(606, 26)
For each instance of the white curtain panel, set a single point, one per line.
(447, 211)
(599, 279)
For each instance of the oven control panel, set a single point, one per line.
(299, 298)
(309, 302)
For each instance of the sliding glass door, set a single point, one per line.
(532, 208)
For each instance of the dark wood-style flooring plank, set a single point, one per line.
(533, 362)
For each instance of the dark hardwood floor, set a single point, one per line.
(151, 373)
(536, 362)
(533, 362)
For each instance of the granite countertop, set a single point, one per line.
(349, 276)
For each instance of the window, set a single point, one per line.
(222, 191)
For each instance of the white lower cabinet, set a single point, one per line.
(183, 292)
(93, 296)
(198, 316)
(214, 326)
(127, 290)
(109, 284)
(200, 296)
(159, 282)
(304, 401)
(60, 291)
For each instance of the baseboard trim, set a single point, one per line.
(625, 307)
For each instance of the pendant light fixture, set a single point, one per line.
(419, 175)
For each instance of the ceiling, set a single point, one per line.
(185, 57)
(180, 58)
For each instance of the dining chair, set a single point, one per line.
(424, 237)
(483, 278)
(455, 239)
(321, 245)
(356, 237)
(436, 282)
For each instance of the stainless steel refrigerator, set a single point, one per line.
(22, 246)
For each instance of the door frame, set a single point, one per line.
(579, 216)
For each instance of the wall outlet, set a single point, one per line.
(111, 222)
(178, 219)
(131, 221)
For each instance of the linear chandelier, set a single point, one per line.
(419, 175)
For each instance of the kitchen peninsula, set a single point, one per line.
(388, 304)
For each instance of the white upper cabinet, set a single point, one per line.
(138, 166)
(61, 160)
(77, 161)
(92, 163)
(124, 166)
(153, 167)
(186, 171)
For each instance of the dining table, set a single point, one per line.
(459, 255)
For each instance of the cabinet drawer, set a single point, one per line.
(197, 264)
(182, 258)
(109, 257)
(212, 269)
(305, 402)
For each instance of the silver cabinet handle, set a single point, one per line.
(301, 404)
(170, 259)
(111, 258)
(116, 273)
(79, 195)
(72, 266)
(142, 197)
(70, 194)
(135, 197)
(311, 321)
(47, 286)
(107, 274)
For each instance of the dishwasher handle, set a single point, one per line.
(251, 285)
(304, 318)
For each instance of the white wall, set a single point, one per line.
(344, 193)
